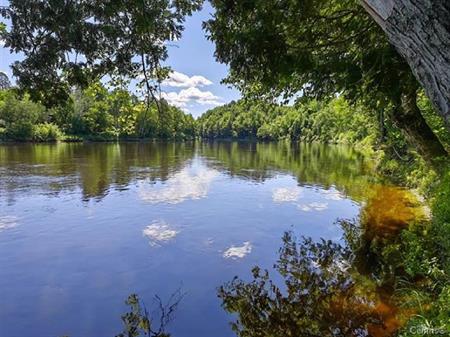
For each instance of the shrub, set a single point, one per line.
(19, 117)
(441, 220)
(71, 138)
(46, 132)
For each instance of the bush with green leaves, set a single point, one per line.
(19, 116)
(46, 132)
(425, 254)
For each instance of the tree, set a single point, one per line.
(420, 31)
(20, 116)
(318, 48)
(4, 81)
(67, 43)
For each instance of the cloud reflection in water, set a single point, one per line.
(292, 195)
(180, 187)
(159, 232)
(333, 194)
(313, 206)
(235, 252)
(286, 194)
(7, 222)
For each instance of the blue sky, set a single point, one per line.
(195, 84)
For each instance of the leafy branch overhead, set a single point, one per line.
(73, 43)
(319, 49)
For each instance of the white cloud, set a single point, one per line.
(313, 206)
(239, 251)
(7, 222)
(191, 95)
(159, 232)
(182, 186)
(286, 194)
(181, 80)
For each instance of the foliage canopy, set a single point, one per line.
(67, 43)
(317, 47)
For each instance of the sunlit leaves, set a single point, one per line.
(68, 43)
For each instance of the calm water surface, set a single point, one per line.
(84, 225)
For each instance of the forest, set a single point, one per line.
(94, 114)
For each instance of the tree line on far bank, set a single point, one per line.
(94, 113)
(99, 114)
(334, 120)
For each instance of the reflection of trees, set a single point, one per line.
(321, 294)
(95, 168)
(328, 289)
(137, 322)
(311, 164)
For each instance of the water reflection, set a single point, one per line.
(312, 164)
(88, 213)
(8, 222)
(313, 206)
(159, 232)
(333, 194)
(321, 294)
(93, 168)
(284, 194)
(235, 252)
(140, 322)
(96, 169)
(325, 288)
(183, 185)
(317, 297)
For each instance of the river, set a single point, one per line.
(82, 226)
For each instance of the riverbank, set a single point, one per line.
(92, 139)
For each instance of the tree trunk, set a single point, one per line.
(420, 31)
(409, 119)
